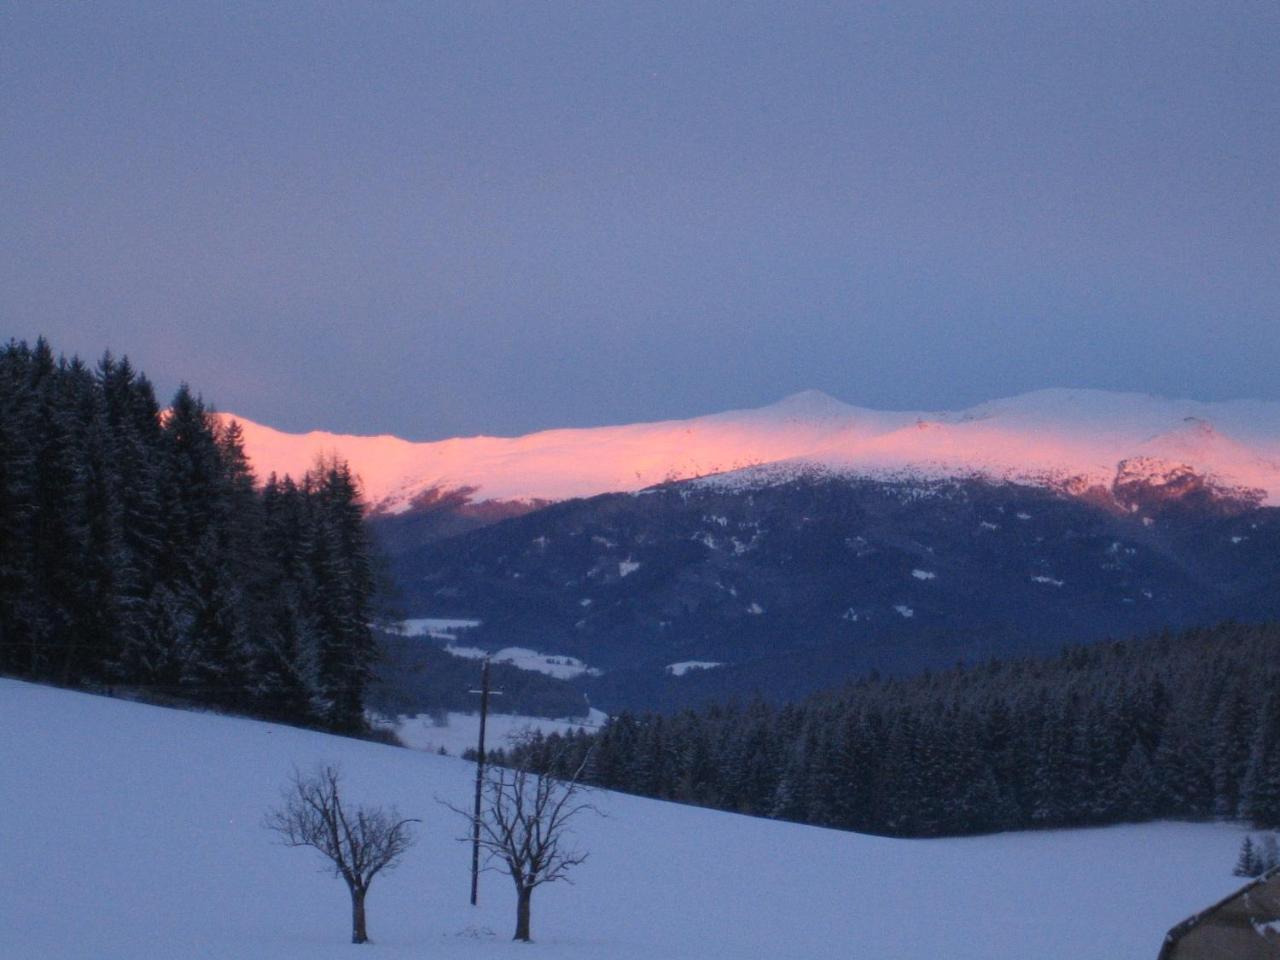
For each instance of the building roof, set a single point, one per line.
(1242, 926)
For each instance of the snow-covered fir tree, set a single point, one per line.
(137, 550)
(1107, 733)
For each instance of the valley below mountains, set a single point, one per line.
(785, 549)
(794, 586)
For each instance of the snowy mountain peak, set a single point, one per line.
(812, 405)
(1070, 437)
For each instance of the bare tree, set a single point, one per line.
(523, 829)
(359, 843)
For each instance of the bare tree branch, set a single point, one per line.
(359, 845)
(524, 830)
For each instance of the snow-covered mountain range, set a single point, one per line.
(1071, 439)
(816, 540)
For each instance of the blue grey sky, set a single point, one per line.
(444, 218)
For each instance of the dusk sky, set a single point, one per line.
(433, 219)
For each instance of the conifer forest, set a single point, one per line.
(138, 551)
(140, 554)
(1184, 726)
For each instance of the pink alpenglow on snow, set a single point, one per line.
(1073, 438)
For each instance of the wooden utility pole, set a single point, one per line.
(475, 824)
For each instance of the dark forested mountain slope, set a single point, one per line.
(793, 585)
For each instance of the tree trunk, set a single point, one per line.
(522, 914)
(358, 932)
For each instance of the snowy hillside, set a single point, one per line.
(133, 831)
(1077, 438)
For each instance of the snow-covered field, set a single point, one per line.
(135, 832)
(559, 665)
(461, 730)
(439, 628)
(684, 666)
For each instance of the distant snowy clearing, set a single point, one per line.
(684, 666)
(522, 658)
(438, 627)
(557, 665)
(135, 832)
(461, 730)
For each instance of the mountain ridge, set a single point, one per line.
(1072, 439)
(795, 585)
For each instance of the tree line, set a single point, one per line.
(137, 550)
(1184, 726)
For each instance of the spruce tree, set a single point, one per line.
(1269, 853)
(18, 601)
(1260, 800)
(288, 659)
(343, 574)
(133, 424)
(137, 549)
(62, 576)
(1247, 864)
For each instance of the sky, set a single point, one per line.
(438, 219)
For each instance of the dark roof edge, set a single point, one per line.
(1180, 930)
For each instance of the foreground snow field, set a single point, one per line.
(135, 832)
